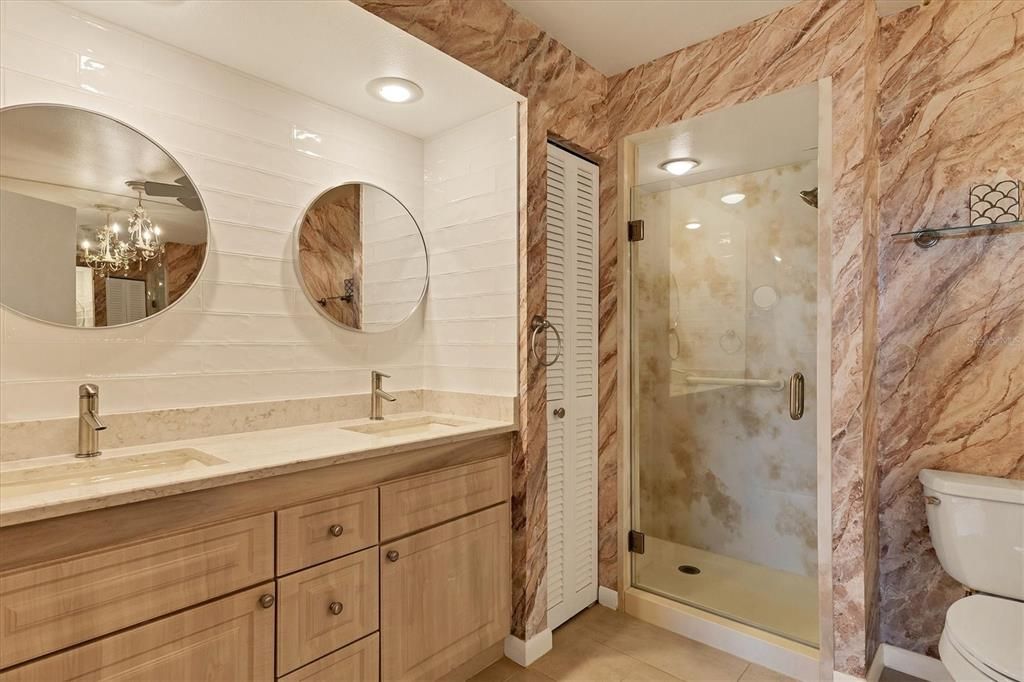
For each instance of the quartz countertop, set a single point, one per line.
(246, 456)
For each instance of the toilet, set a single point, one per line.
(977, 528)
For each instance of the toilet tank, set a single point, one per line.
(977, 528)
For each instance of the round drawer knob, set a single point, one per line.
(336, 530)
(336, 607)
(267, 600)
(559, 412)
(392, 555)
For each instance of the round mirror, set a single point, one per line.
(361, 259)
(99, 225)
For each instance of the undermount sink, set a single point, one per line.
(73, 474)
(425, 425)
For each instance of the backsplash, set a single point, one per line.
(258, 154)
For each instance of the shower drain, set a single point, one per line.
(689, 570)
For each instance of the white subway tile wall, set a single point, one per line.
(259, 154)
(470, 338)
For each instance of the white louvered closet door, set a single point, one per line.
(572, 385)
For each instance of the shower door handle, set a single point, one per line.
(796, 396)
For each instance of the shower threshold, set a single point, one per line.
(779, 602)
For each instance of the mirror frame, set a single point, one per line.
(199, 195)
(298, 265)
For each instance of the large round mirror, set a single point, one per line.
(361, 259)
(99, 225)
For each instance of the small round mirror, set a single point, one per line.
(99, 225)
(362, 260)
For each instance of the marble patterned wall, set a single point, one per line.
(951, 318)
(565, 100)
(726, 469)
(571, 101)
(331, 251)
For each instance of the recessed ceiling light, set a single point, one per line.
(679, 166)
(394, 90)
(693, 226)
(733, 198)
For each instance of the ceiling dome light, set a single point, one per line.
(733, 198)
(679, 166)
(693, 226)
(394, 90)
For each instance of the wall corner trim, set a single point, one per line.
(913, 663)
(526, 652)
(608, 597)
(877, 665)
(845, 677)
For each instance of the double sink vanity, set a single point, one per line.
(355, 550)
(240, 524)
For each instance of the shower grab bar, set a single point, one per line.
(773, 384)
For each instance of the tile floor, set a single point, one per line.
(602, 645)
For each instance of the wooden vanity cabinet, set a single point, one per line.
(228, 639)
(326, 607)
(300, 586)
(444, 595)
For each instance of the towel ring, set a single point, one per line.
(540, 324)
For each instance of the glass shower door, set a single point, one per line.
(723, 307)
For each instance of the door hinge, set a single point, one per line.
(636, 230)
(636, 542)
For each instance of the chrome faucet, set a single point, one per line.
(89, 422)
(378, 394)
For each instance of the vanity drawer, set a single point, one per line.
(359, 662)
(315, 532)
(326, 607)
(415, 503)
(49, 607)
(228, 639)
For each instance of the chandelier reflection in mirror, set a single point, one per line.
(114, 254)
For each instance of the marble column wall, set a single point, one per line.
(570, 100)
(331, 251)
(182, 263)
(565, 101)
(951, 318)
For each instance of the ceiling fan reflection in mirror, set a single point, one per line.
(183, 190)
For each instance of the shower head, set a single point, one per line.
(810, 197)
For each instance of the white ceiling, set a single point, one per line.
(325, 50)
(76, 158)
(615, 35)
(764, 133)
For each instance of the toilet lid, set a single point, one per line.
(989, 630)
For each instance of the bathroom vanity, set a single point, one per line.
(388, 559)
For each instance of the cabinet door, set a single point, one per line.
(325, 607)
(444, 595)
(228, 639)
(358, 662)
(50, 607)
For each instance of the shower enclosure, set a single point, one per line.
(724, 344)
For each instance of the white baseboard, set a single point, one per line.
(526, 652)
(913, 663)
(606, 596)
(877, 665)
(778, 654)
(845, 677)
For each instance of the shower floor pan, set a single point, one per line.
(779, 602)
